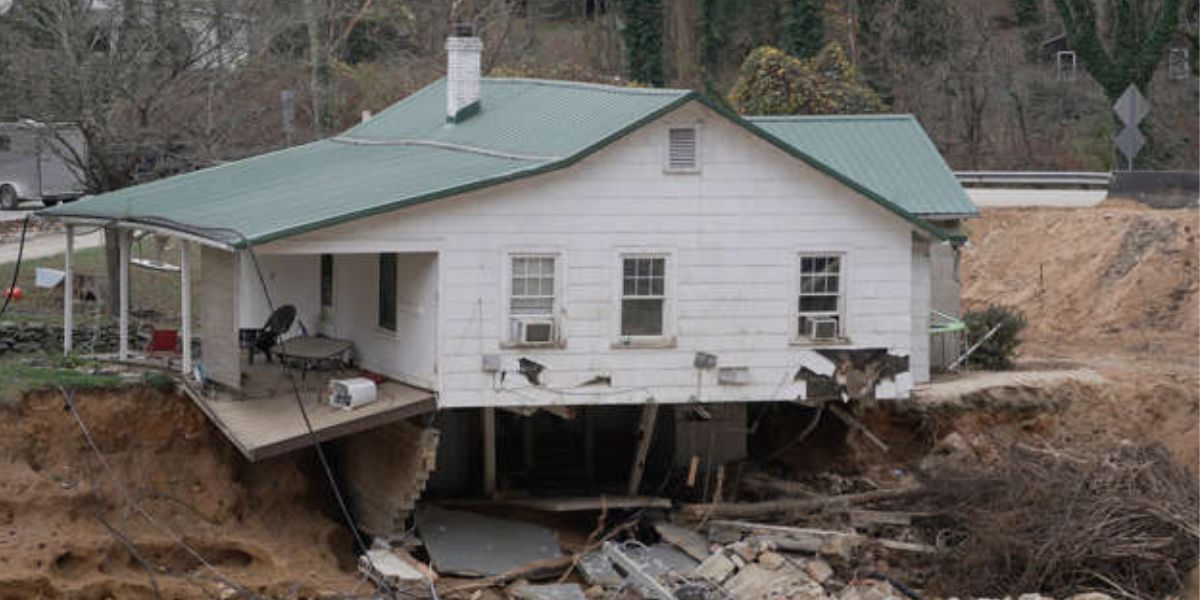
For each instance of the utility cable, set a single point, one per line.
(68, 397)
(12, 286)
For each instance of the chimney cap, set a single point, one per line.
(462, 30)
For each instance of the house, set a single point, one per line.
(550, 246)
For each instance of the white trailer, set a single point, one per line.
(40, 162)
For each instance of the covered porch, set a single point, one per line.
(360, 315)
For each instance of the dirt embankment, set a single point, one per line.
(1114, 288)
(260, 524)
(1121, 276)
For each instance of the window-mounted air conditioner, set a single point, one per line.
(533, 331)
(823, 329)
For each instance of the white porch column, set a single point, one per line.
(123, 321)
(185, 306)
(69, 292)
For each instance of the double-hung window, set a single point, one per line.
(821, 299)
(643, 296)
(531, 304)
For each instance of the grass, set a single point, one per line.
(154, 295)
(19, 377)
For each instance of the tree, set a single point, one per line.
(1137, 39)
(803, 28)
(643, 34)
(771, 82)
(1027, 12)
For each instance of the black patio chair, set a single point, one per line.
(268, 337)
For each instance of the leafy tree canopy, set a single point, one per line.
(1137, 40)
(771, 82)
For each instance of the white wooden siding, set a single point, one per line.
(918, 362)
(733, 231)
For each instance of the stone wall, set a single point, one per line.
(38, 337)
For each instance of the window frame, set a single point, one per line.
(845, 267)
(667, 168)
(667, 336)
(379, 293)
(557, 306)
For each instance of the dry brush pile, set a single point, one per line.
(1122, 521)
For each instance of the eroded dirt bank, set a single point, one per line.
(259, 524)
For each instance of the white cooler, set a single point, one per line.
(351, 393)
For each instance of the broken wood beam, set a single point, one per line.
(761, 483)
(645, 437)
(849, 419)
(792, 505)
(809, 540)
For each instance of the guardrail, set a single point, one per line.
(1034, 178)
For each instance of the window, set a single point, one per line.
(326, 280)
(532, 286)
(387, 292)
(531, 300)
(682, 145)
(643, 295)
(820, 303)
(1065, 61)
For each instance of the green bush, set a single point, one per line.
(998, 351)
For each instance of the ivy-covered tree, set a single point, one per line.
(710, 44)
(803, 28)
(771, 82)
(1137, 40)
(643, 34)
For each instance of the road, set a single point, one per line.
(48, 244)
(1020, 198)
(17, 215)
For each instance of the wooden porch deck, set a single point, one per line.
(263, 420)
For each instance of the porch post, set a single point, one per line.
(185, 306)
(489, 451)
(69, 292)
(123, 277)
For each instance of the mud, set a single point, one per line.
(263, 526)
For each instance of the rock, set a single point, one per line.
(716, 568)
(818, 569)
(1091, 596)
(745, 551)
(1033, 597)
(771, 560)
(872, 590)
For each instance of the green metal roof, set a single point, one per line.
(409, 154)
(889, 154)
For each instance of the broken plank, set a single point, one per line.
(691, 543)
(865, 518)
(566, 504)
(760, 483)
(848, 419)
(645, 437)
(770, 507)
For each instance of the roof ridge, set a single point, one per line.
(837, 117)
(603, 87)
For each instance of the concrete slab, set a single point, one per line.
(553, 591)
(464, 543)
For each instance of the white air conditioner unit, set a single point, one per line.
(823, 329)
(351, 393)
(533, 331)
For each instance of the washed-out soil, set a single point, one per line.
(265, 525)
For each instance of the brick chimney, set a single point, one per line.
(464, 53)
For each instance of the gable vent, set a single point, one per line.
(682, 149)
